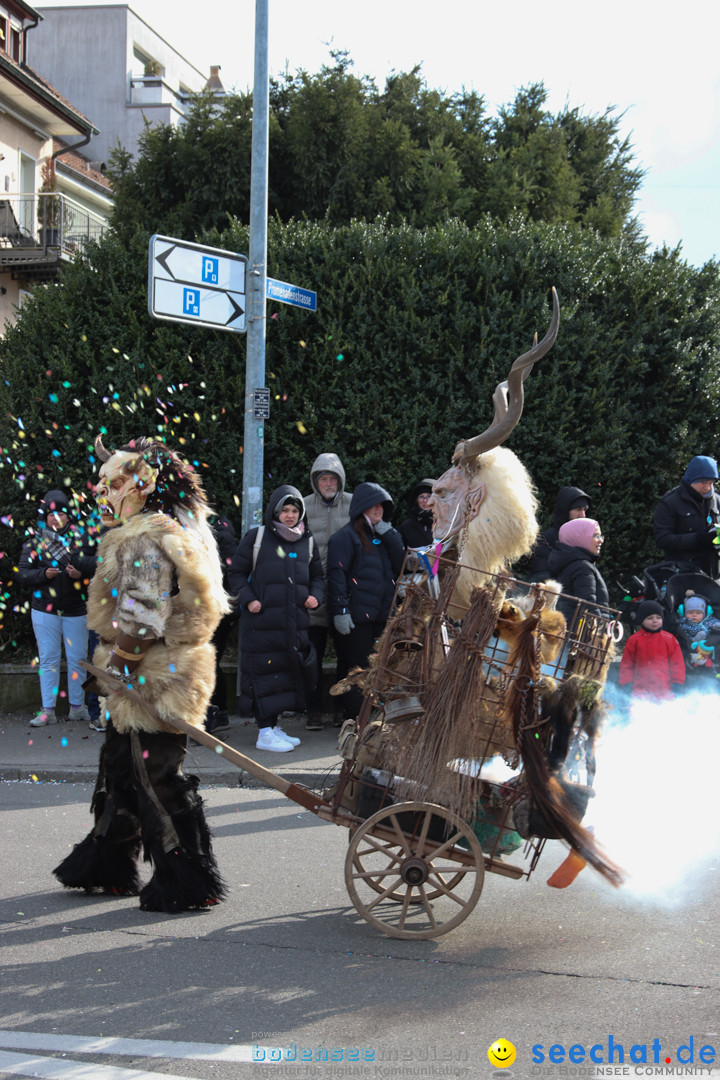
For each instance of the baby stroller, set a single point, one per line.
(702, 660)
(653, 586)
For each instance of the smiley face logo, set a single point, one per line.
(502, 1053)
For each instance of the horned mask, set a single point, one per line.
(458, 495)
(124, 483)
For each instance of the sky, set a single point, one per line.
(656, 63)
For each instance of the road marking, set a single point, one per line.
(67, 1069)
(152, 1048)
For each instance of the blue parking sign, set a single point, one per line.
(210, 270)
(191, 302)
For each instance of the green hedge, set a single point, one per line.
(414, 330)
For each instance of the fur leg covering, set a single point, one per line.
(175, 835)
(107, 858)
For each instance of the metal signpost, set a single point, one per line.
(207, 287)
(195, 284)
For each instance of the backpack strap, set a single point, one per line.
(258, 541)
(256, 546)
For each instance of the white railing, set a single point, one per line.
(48, 221)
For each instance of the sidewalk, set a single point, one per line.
(68, 752)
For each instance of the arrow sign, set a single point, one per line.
(194, 284)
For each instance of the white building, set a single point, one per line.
(48, 208)
(115, 68)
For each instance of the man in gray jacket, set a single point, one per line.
(327, 509)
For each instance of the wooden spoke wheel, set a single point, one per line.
(374, 880)
(406, 875)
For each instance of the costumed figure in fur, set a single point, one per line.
(467, 698)
(155, 601)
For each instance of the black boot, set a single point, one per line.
(216, 720)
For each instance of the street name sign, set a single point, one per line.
(191, 283)
(291, 294)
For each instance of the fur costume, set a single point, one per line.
(158, 585)
(153, 577)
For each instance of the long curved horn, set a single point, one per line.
(100, 450)
(509, 396)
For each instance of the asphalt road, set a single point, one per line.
(92, 987)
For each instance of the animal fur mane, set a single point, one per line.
(505, 528)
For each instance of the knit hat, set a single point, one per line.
(293, 500)
(701, 468)
(646, 609)
(695, 603)
(54, 502)
(422, 486)
(578, 533)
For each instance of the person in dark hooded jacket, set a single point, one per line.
(571, 503)
(364, 560)
(278, 579)
(572, 563)
(53, 564)
(686, 516)
(416, 529)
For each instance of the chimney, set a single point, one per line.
(213, 84)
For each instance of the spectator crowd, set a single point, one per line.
(322, 571)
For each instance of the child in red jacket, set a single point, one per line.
(652, 660)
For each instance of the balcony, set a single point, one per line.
(154, 90)
(40, 230)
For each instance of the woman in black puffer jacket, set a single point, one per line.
(364, 560)
(572, 563)
(277, 582)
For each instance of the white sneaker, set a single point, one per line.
(79, 712)
(270, 740)
(289, 738)
(47, 716)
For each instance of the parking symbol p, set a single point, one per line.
(210, 270)
(191, 302)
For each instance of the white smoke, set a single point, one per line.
(656, 809)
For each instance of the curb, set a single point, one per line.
(313, 779)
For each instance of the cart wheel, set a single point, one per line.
(391, 861)
(375, 882)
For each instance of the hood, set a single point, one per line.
(328, 463)
(566, 498)
(422, 485)
(282, 493)
(367, 495)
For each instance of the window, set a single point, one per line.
(149, 65)
(3, 33)
(141, 57)
(15, 40)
